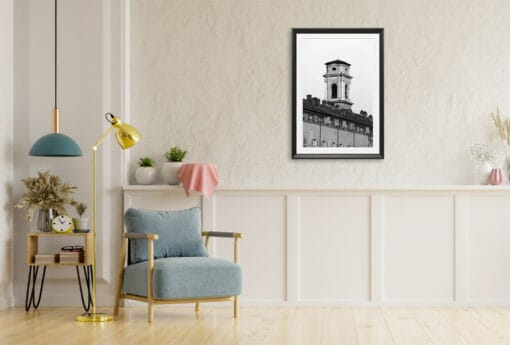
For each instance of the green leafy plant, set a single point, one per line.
(175, 154)
(145, 162)
(45, 191)
(80, 208)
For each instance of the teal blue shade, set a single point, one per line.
(55, 145)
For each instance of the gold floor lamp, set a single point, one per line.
(127, 136)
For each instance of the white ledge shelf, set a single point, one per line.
(422, 188)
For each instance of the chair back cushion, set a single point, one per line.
(180, 233)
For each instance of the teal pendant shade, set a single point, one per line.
(55, 145)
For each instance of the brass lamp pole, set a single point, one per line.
(126, 136)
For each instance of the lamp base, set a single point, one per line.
(94, 317)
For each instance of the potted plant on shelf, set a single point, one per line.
(145, 173)
(170, 169)
(81, 224)
(49, 195)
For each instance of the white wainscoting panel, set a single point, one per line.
(488, 254)
(262, 220)
(334, 248)
(413, 246)
(418, 248)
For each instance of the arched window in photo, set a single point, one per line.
(334, 91)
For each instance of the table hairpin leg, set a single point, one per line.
(87, 273)
(30, 298)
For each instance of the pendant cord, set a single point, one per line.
(55, 53)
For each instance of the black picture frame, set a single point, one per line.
(320, 118)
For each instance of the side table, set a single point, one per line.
(32, 299)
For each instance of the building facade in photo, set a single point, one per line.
(331, 122)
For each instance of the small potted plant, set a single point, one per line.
(145, 173)
(81, 224)
(170, 169)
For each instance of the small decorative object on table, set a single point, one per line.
(145, 173)
(81, 224)
(170, 169)
(485, 158)
(47, 193)
(71, 255)
(62, 224)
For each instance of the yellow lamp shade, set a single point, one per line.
(126, 135)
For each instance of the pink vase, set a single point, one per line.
(496, 177)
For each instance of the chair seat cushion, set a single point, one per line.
(185, 277)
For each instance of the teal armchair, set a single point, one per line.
(167, 261)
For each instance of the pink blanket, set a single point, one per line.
(199, 177)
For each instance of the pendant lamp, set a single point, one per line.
(55, 144)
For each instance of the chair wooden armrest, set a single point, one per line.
(140, 236)
(235, 235)
(222, 234)
(150, 262)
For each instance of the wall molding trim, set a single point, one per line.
(411, 245)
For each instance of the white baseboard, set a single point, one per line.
(6, 303)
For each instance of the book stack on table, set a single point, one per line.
(71, 255)
(43, 259)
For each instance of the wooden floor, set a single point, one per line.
(262, 325)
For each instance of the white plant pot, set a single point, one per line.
(145, 175)
(170, 172)
(81, 223)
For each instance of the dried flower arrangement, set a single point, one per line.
(483, 153)
(45, 191)
(503, 126)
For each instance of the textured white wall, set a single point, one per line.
(6, 150)
(215, 78)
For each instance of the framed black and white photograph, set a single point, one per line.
(338, 108)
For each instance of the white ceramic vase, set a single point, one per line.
(170, 172)
(483, 173)
(145, 175)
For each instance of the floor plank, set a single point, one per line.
(469, 326)
(339, 327)
(494, 321)
(371, 327)
(438, 330)
(404, 327)
(215, 325)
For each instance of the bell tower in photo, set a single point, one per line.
(338, 84)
